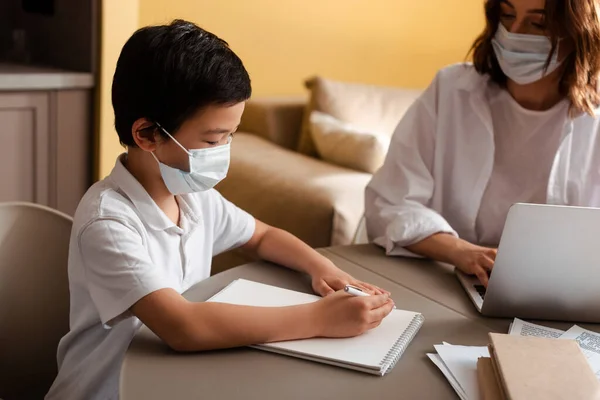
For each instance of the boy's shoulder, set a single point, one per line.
(104, 200)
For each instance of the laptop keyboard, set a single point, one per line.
(481, 290)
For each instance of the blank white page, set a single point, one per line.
(462, 363)
(367, 350)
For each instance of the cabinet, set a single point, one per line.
(24, 147)
(47, 80)
(45, 147)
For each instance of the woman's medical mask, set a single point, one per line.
(523, 57)
(207, 168)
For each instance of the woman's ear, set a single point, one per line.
(145, 134)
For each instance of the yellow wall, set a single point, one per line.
(282, 42)
(118, 22)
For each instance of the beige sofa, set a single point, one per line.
(277, 176)
(319, 202)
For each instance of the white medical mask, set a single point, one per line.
(523, 57)
(207, 168)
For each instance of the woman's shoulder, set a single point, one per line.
(453, 85)
(460, 76)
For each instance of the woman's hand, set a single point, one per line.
(474, 260)
(467, 257)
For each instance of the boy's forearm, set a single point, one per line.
(283, 248)
(216, 326)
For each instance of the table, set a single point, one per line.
(151, 371)
(435, 281)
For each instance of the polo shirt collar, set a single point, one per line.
(151, 214)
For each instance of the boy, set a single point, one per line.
(148, 232)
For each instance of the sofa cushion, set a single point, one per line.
(320, 203)
(341, 143)
(366, 107)
(277, 119)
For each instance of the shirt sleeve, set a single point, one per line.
(233, 227)
(398, 199)
(118, 268)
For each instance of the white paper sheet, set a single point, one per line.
(523, 328)
(437, 360)
(589, 342)
(367, 352)
(461, 361)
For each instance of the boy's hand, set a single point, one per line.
(330, 279)
(281, 247)
(342, 315)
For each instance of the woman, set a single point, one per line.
(518, 125)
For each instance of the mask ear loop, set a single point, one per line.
(175, 140)
(156, 158)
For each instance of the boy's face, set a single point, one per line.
(210, 127)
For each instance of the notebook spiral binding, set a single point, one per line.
(403, 341)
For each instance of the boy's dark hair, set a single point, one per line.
(167, 73)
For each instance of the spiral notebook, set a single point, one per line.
(374, 352)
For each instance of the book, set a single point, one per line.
(541, 368)
(488, 382)
(375, 351)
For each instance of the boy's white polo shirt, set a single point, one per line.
(123, 247)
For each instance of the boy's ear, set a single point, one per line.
(145, 134)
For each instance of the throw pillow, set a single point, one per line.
(341, 143)
(366, 107)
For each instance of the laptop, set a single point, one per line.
(547, 266)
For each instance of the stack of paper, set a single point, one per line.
(459, 366)
(589, 342)
(459, 363)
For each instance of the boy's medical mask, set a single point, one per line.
(207, 168)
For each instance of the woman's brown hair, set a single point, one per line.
(574, 21)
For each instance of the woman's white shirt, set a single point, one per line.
(525, 143)
(446, 160)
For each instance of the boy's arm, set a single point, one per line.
(189, 326)
(281, 247)
(121, 277)
(235, 227)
